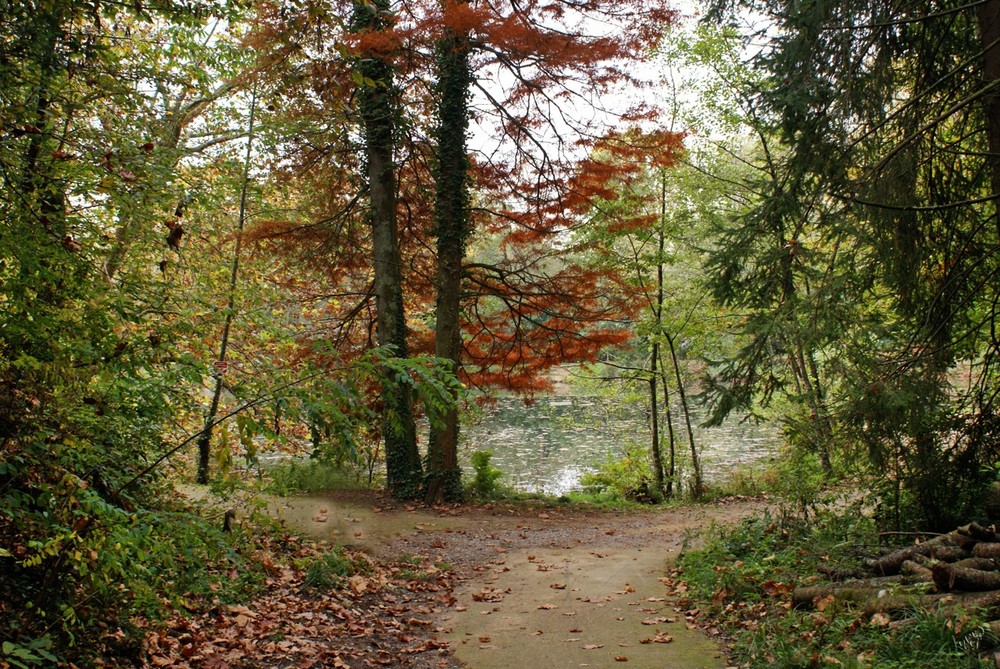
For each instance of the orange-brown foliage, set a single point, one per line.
(536, 308)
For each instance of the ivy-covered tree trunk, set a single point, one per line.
(376, 99)
(451, 216)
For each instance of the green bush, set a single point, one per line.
(628, 477)
(485, 483)
(329, 569)
(309, 476)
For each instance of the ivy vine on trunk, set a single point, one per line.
(451, 216)
(377, 101)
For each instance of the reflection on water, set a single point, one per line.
(547, 446)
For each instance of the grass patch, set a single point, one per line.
(742, 578)
(329, 569)
(310, 476)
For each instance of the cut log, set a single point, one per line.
(809, 597)
(916, 570)
(858, 591)
(987, 602)
(980, 532)
(949, 553)
(948, 577)
(837, 574)
(981, 563)
(986, 550)
(945, 548)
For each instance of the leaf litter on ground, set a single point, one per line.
(382, 616)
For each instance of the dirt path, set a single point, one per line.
(558, 588)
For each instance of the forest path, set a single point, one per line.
(538, 587)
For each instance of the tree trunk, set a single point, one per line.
(988, 14)
(655, 356)
(655, 418)
(451, 215)
(205, 439)
(671, 437)
(378, 114)
(695, 461)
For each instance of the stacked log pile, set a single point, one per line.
(960, 569)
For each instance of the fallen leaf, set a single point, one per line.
(822, 602)
(416, 622)
(880, 619)
(775, 588)
(593, 646)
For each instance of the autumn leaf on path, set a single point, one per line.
(490, 595)
(430, 644)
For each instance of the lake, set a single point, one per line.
(547, 446)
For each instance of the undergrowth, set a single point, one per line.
(310, 476)
(742, 578)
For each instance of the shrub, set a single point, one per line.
(484, 485)
(628, 477)
(329, 569)
(309, 476)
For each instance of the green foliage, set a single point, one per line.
(484, 484)
(309, 476)
(800, 479)
(331, 568)
(32, 654)
(743, 576)
(623, 477)
(923, 640)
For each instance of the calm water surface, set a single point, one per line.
(547, 446)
